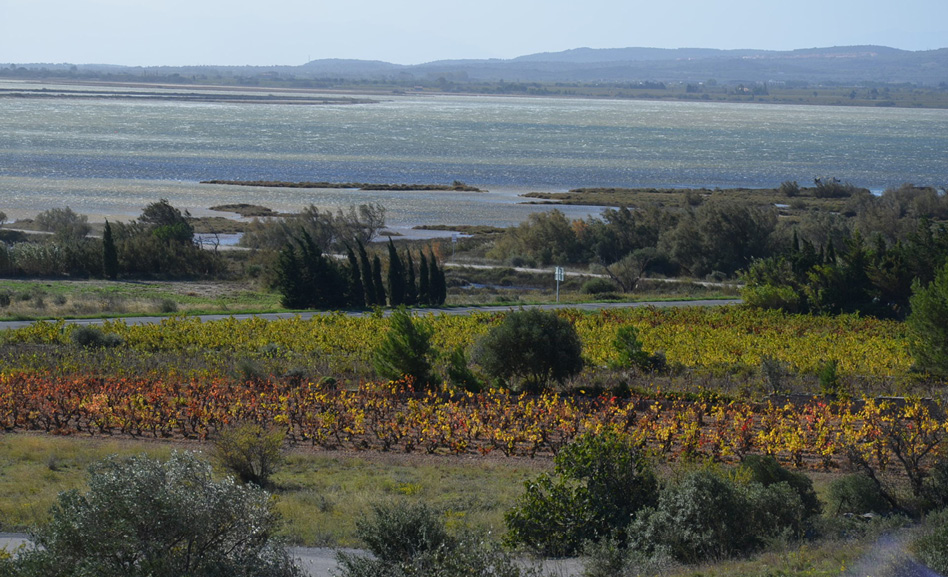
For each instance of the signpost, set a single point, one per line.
(560, 277)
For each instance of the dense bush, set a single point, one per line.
(94, 337)
(857, 494)
(707, 516)
(143, 517)
(411, 540)
(767, 471)
(598, 484)
(250, 452)
(532, 346)
(598, 286)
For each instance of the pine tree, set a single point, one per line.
(110, 264)
(928, 323)
(377, 281)
(368, 284)
(396, 276)
(424, 293)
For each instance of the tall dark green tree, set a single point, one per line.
(396, 276)
(356, 293)
(110, 264)
(424, 288)
(928, 323)
(290, 279)
(368, 283)
(411, 289)
(309, 279)
(437, 284)
(377, 281)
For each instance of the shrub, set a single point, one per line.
(405, 350)
(460, 374)
(932, 548)
(93, 337)
(250, 452)
(598, 286)
(532, 346)
(828, 374)
(599, 482)
(411, 540)
(789, 188)
(706, 516)
(858, 494)
(64, 223)
(398, 532)
(767, 296)
(145, 517)
(630, 352)
(936, 490)
(767, 471)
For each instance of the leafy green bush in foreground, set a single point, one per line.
(598, 484)
(144, 517)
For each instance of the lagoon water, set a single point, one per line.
(109, 157)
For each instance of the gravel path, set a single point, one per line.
(321, 561)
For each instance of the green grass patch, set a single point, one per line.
(320, 495)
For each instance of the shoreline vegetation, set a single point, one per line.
(797, 198)
(201, 96)
(456, 186)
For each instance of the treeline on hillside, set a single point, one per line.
(160, 243)
(863, 258)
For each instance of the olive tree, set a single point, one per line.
(147, 517)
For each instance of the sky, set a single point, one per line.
(292, 32)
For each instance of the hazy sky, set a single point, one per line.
(263, 32)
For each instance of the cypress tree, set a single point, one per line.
(424, 294)
(109, 253)
(411, 290)
(377, 281)
(437, 285)
(289, 278)
(356, 293)
(368, 284)
(396, 276)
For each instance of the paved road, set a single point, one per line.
(447, 311)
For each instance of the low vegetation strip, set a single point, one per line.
(455, 186)
(394, 416)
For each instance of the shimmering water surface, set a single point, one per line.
(108, 158)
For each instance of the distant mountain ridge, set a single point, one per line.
(839, 64)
